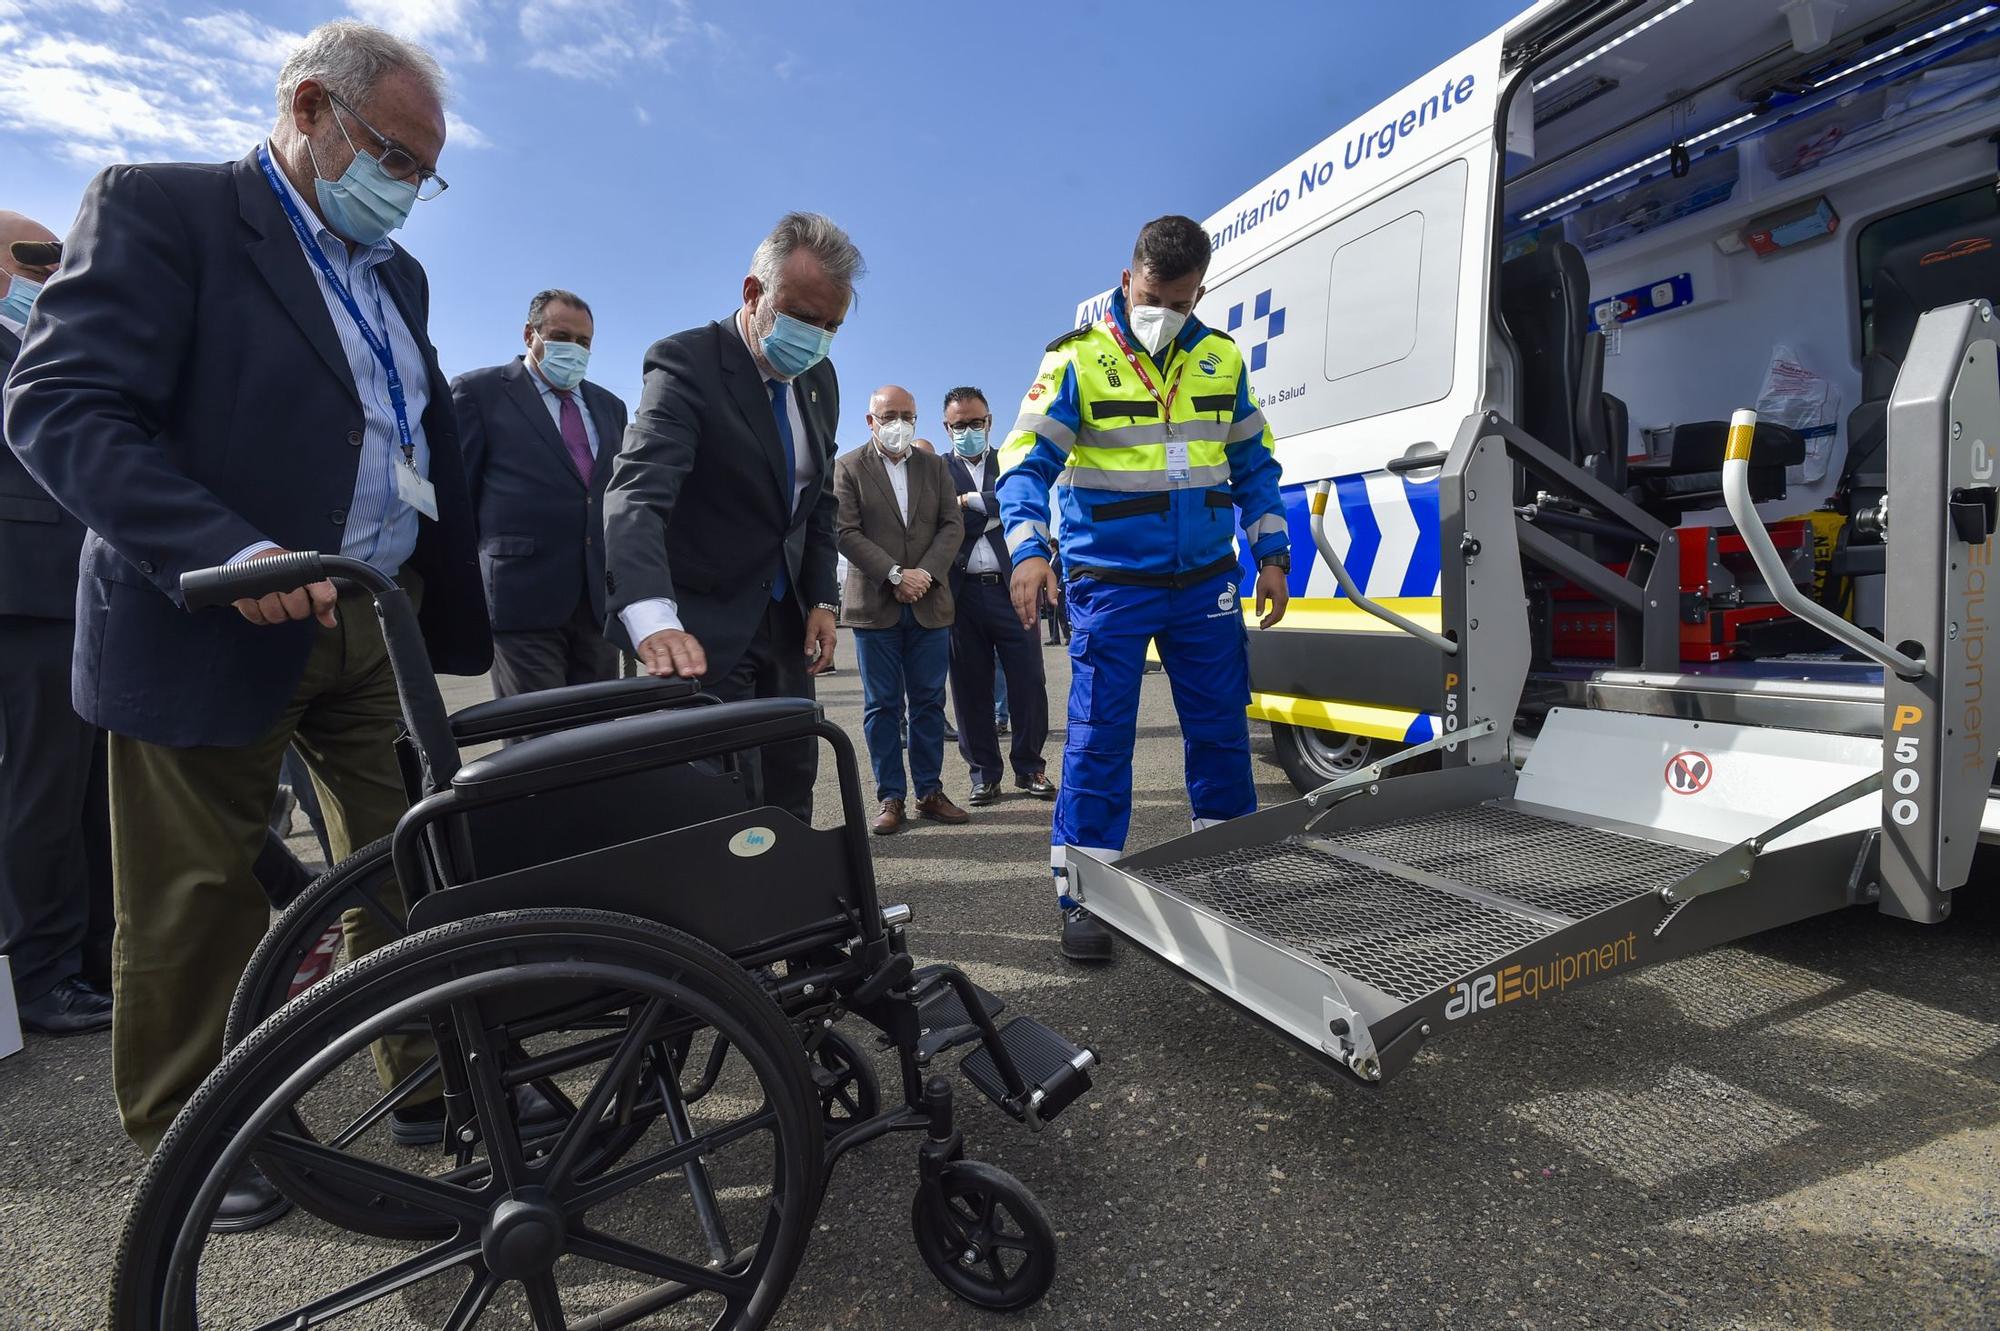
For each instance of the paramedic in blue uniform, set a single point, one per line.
(1145, 425)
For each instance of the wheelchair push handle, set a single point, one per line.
(250, 578)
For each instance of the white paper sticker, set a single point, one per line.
(1177, 459)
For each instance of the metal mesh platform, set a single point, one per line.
(1405, 936)
(1574, 871)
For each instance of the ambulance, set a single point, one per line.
(1613, 223)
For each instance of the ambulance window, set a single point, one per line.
(1392, 281)
(1378, 274)
(1926, 219)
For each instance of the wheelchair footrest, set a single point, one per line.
(1053, 1070)
(941, 1013)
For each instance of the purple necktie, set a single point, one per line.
(574, 438)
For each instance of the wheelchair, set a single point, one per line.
(617, 1004)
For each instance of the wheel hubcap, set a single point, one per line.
(1334, 754)
(524, 1236)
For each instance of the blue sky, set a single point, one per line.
(992, 160)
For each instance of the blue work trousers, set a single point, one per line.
(1202, 644)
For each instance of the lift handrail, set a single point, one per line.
(1341, 576)
(1771, 566)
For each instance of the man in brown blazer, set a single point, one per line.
(899, 527)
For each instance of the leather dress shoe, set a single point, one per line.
(251, 1202)
(890, 820)
(983, 792)
(1002, 726)
(937, 807)
(423, 1125)
(1084, 937)
(1037, 785)
(73, 1007)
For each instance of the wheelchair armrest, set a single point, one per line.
(634, 744)
(565, 708)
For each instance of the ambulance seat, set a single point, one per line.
(1545, 303)
(1956, 264)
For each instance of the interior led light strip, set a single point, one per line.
(1880, 56)
(1643, 162)
(1614, 44)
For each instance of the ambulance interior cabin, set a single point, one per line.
(1718, 204)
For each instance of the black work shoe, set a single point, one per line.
(1002, 726)
(1037, 785)
(983, 792)
(1083, 938)
(423, 1125)
(251, 1202)
(73, 1007)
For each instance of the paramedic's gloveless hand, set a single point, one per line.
(1271, 590)
(315, 600)
(671, 652)
(1033, 578)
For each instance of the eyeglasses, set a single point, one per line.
(396, 160)
(884, 417)
(979, 423)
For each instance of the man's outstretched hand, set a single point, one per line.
(670, 654)
(1033, 578)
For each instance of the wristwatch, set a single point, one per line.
(896, 576)
(830, 609)
(1283, 561)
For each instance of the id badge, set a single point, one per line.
(416, 491)
(1177, 459)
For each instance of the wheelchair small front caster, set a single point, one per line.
(849, 1092)
(983, 1234)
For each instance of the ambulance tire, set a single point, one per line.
(1311, 757)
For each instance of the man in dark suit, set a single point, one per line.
(538, 441)
(718, 524)
(234, 361)
(54, 829)
(986, 625)
(899, 528)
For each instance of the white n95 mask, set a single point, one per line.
(1155, 326)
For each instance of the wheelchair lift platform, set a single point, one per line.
(1383, 909)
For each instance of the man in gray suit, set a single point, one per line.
(55, 851)
(900, 529)
(538, 441)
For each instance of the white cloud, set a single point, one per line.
(144, 85)
(590, 39)
(449, 27)
(463, 133)
(642, 115)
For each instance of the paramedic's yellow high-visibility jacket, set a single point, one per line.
(1148, 496)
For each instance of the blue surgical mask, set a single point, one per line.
(366, 203)
(969, 443)
(20, 297)
(563, 363)
(793, 346)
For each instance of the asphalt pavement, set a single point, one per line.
(1799, 1131)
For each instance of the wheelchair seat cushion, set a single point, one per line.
(636, 743)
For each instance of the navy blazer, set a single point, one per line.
(182, 390)
(697, 510)
(39, 540)
(975, 524)
(541, 529)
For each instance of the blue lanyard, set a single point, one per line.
(376, 343)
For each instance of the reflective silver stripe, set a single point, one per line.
(1248, 428)
(1152, 432)
(1266, 525)
(1054, 431)
(1024, 532)
(1142, 482)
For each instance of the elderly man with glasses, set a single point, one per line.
(232, 362)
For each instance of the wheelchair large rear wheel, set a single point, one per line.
(305, 944)
(701, 1221)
